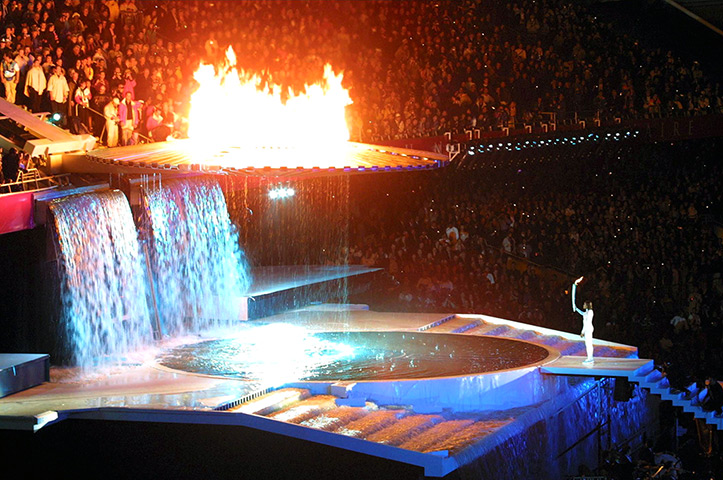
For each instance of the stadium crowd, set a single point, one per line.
(641, 223)
(644, 233)
(124, 70)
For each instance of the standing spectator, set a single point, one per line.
(82, 103)
(129, 84)
(58, 90)
(101, 81)
(100, 99)
(111, 121)
(11, 164)
(73, 82)
(11, 75)
(128, 117)
(35, 84)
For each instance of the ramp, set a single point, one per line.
(33, 124)
(35, 136)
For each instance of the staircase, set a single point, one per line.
(654, 381)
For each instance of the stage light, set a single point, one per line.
(55, 118)
(282, 192)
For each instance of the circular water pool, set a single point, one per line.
(328, 356)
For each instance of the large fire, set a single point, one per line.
(247, 119)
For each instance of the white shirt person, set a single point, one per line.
(587, 327)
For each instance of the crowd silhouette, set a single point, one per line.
(414, 69)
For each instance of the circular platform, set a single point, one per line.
(354, 356)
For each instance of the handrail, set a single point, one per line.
(53, 181)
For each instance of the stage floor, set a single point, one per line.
(141, 383)
(450, 413)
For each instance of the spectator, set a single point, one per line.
(129, 117)
(35, 83)
(110, 111)
(714, 396)
(58, 91)
(11, 76)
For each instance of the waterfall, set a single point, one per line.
(103, 286)
(200, 272)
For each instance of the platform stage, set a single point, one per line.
(400, 425)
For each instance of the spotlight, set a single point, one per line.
(279, 193)
(55, 118)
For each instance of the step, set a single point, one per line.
(482, 329)
(646, 369)
(654, 376)
(660, 387)
(455, 325)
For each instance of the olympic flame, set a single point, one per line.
(233, 109)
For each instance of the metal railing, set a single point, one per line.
(34, 182)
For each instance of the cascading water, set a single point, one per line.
(104, 293)
(199, 270)
(315, 219)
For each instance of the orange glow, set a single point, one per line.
(236, 111)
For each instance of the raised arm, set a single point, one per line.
(574, 306)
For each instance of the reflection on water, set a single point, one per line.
(285, 354)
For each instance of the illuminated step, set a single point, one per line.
(273, 401)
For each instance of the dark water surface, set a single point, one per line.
(351, 356)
